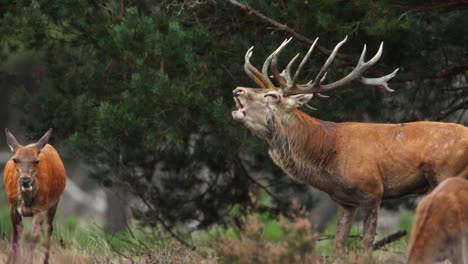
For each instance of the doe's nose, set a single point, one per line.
(25, 180)
(238, 92)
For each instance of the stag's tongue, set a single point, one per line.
(240, 112)
(240, 106)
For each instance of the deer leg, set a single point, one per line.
(345, 221)
(49, 229)
(35, 233)
(456, 256)
(17, 231)
(371, 214)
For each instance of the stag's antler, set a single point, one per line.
(254, 74)
(289, 85)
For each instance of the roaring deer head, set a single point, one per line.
(256, 106)
(26, 159)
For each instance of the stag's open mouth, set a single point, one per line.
(239, 105)
(240, 112)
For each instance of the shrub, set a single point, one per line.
(296, 245)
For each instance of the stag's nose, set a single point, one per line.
(25, 181)
(238, 92)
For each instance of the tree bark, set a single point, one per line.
(116, 216)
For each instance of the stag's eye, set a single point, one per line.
(272, 95)
(15, 160)
(36, 162)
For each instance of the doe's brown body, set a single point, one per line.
(35, 179)
(440, 230)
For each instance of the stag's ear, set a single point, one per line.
(44, 140)
(11, 140)
(299, 100)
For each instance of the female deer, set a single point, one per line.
(440, 230)
(34, 179)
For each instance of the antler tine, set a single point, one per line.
(274, 61)
(252, 72)
(306, 57)
(247, 70)
(381, 81)
(322, 95)
(356, 74)
(265, 69)
(318, 79)
(287, 72)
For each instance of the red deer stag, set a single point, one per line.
(357, 164)
(440, 231)
(34, 180)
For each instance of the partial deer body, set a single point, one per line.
(34, 179)
(440, 231)
(357, 164)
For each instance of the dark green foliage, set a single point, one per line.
(142, 91)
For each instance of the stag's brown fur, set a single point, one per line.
(361, 164)
(440, 230)
(357, 164)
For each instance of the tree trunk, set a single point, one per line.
(116, 216)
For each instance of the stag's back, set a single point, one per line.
(51, 179)
(441, 228)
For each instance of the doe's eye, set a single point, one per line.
(36, 162)
(15, 160)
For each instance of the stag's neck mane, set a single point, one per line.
(302, 145)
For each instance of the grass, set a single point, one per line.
(392, 253)
(272, 235)
(72, 243)
(262, 239)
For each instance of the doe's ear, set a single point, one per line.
(44, 140)
(299, 100)
(11, 140)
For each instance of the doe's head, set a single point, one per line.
(26, 159)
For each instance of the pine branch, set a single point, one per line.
(254, 181)
(252, 12)
(452, 70)
(167, 227)
(452, 109)
(445, 73)
(401, 77)
(444, 6)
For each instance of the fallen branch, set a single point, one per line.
(389, 239)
